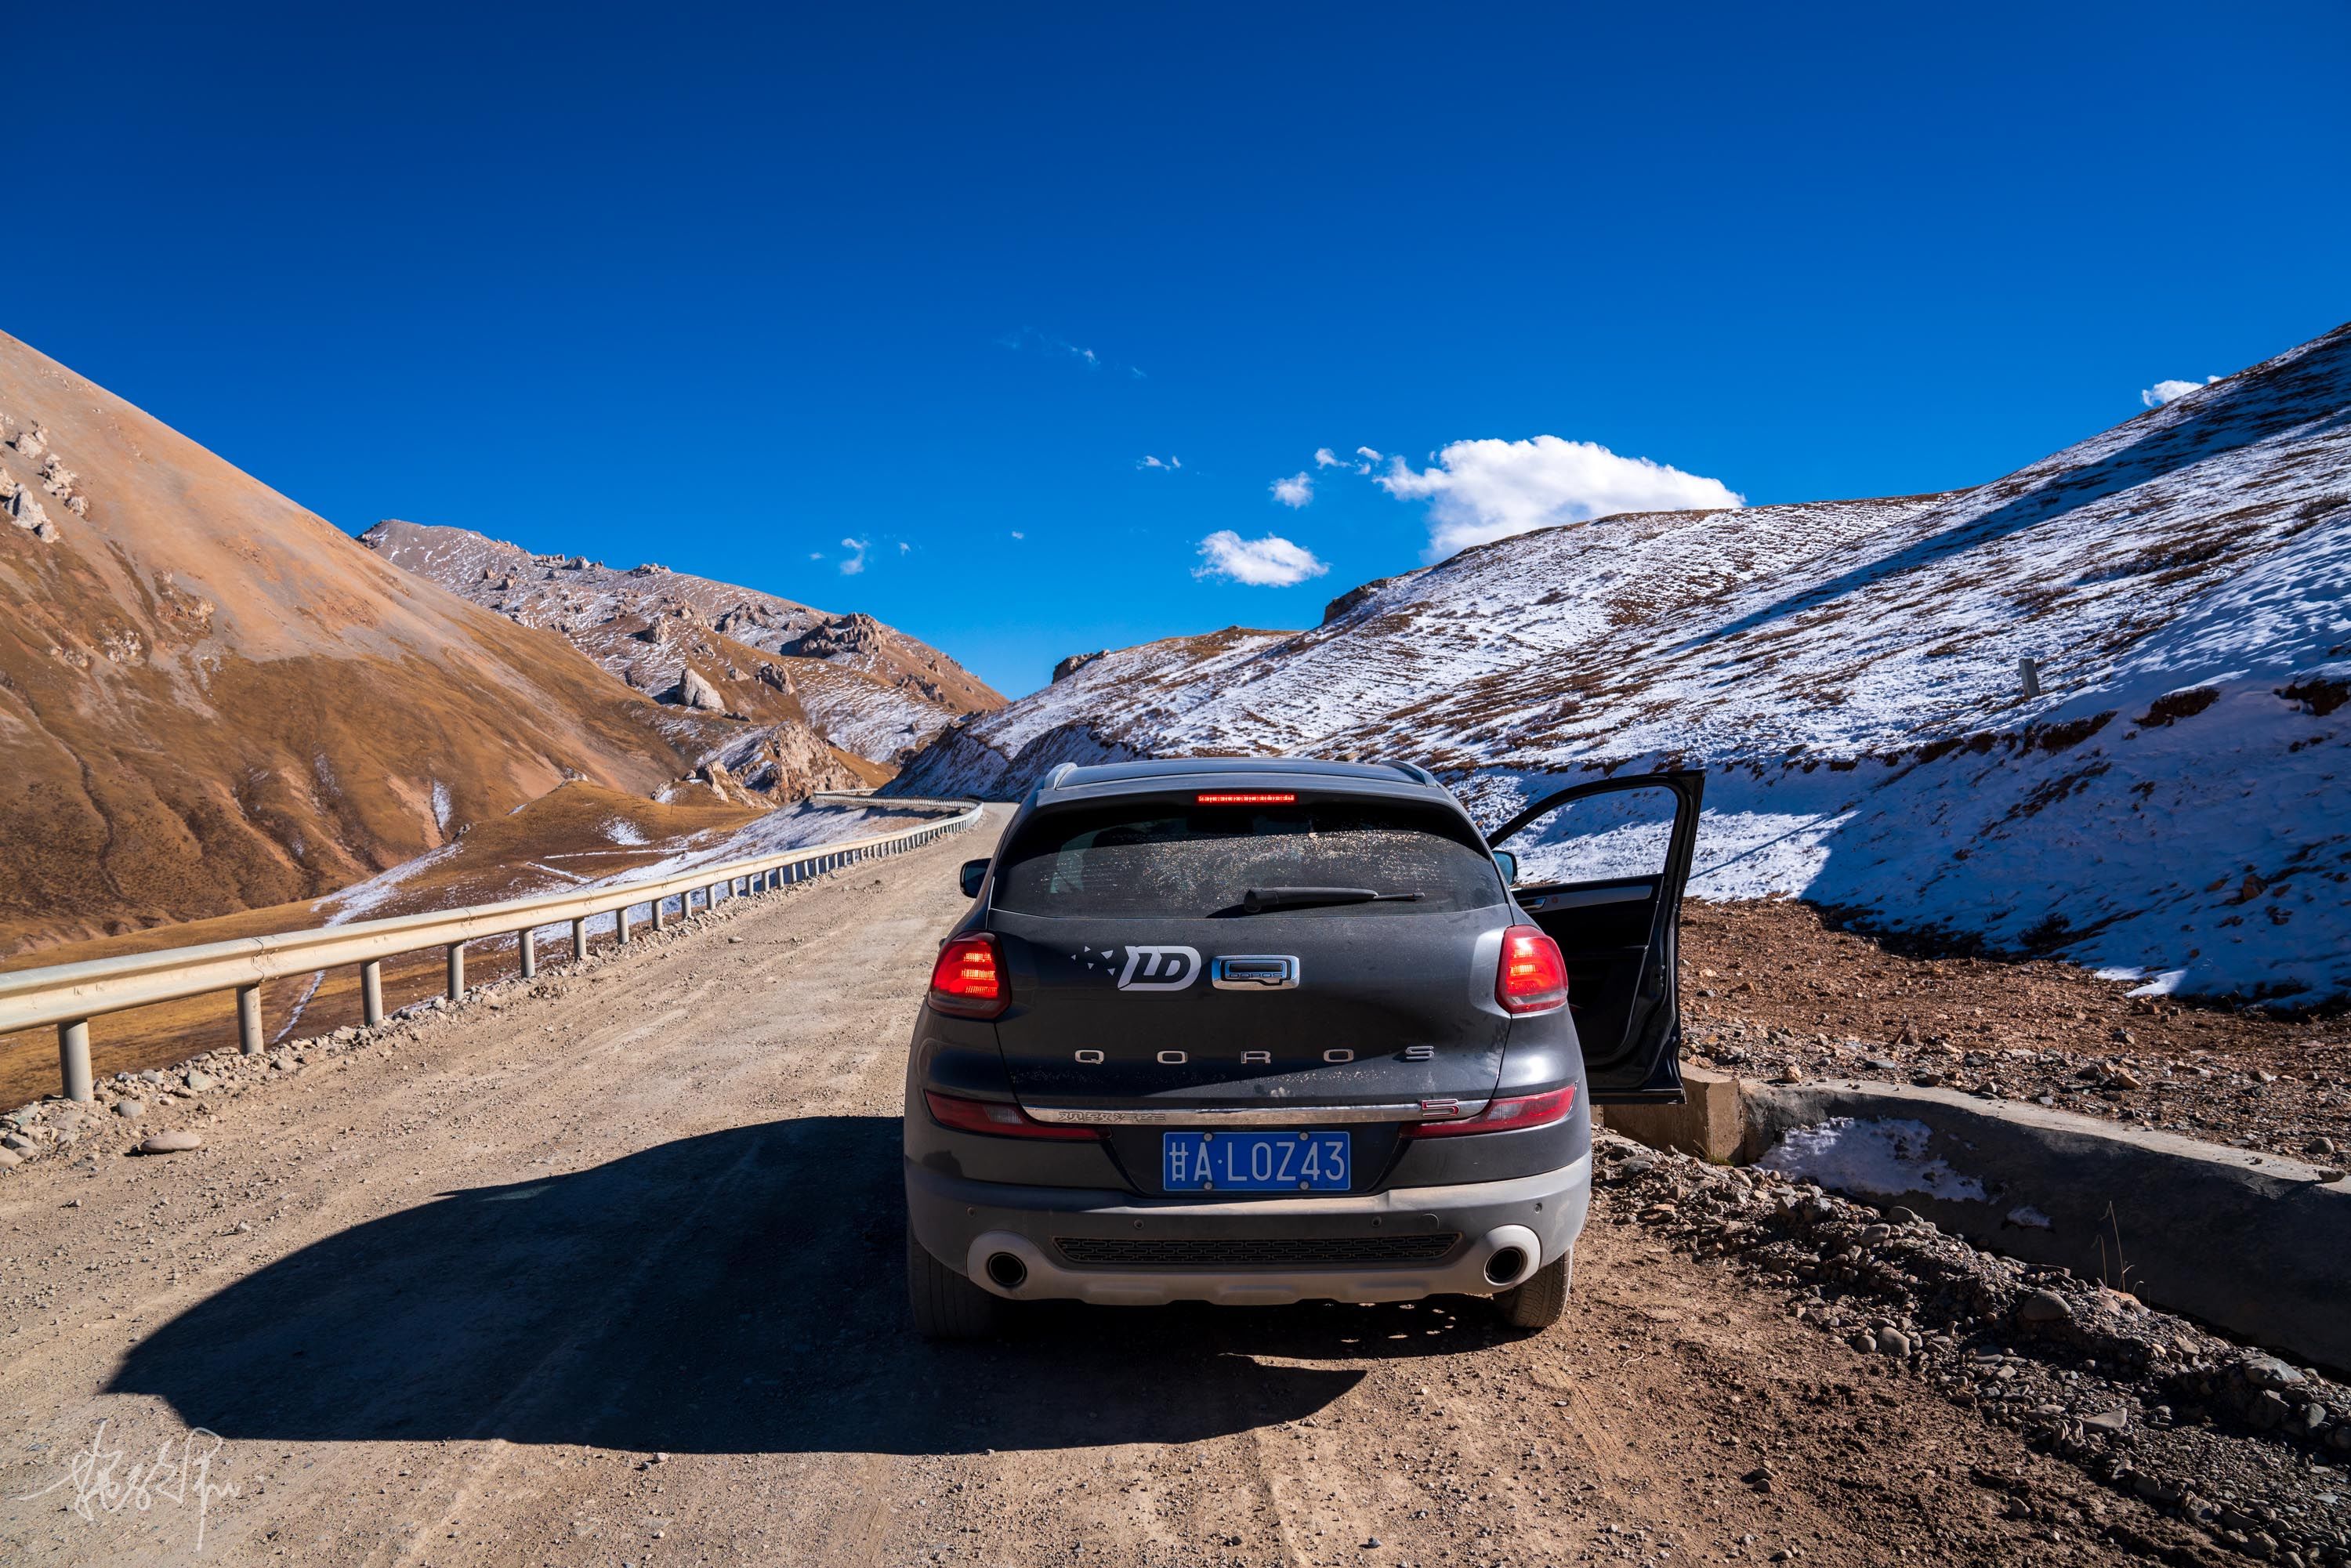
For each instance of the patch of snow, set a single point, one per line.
(620, 832)
(1881, 1157)
(2166, 984)
(2030, 1218)
(440, 804)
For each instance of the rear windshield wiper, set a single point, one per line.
(1258, 900)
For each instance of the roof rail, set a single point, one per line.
(1415, 772)
(1055, 774)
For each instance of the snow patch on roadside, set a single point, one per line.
(1881, 1157)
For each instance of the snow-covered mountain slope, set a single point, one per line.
(2171, 800)
(866, 688)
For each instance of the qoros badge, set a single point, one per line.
(1159, 968)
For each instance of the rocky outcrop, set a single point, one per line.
(23, 510)
(1076, 662)
(697, 693)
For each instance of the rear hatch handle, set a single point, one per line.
(1254, 972)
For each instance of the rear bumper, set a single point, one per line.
(964, 1223)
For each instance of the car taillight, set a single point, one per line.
(998, 1117)
(1503, 1115)
(1533, 976)
(1244, 797)
(967, 981)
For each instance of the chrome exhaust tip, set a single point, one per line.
(1505, 1266)
(1006, 1270)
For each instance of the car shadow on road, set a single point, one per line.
(739, 1291)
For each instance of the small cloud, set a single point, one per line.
(904, 548)
(1137, 374)
(1269, 562)
(1325, 458)
(1482, 490)
(1294, 491)
(1029, 338)
(1175, 463)
(816, 555)
(1367, 454)
(856, 562)
(1172, 463)
(2162, 393)
(1018, 535)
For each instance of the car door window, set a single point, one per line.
(1601, 869)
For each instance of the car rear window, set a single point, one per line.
(1158, 858)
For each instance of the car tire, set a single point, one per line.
(945, 1304)
(1541, 1300)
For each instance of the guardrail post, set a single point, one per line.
(579, 939)
(457, 971)
(710, 897)
(372, 992)
(248, 1020)
(526, 950)
(73, 1059)
(621, 922)
(660, 921)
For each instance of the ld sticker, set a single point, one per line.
(1159, 968)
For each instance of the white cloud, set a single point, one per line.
(1172, 462)
(1269, 562)
(1367, 454)
(816, 555)
(904, 548)
(1483, 490)
(1325, 458)
(1294, 491)
(2162, 393)
(856, 562)
(1047, 343)
(1175, 463)
(1018, 535)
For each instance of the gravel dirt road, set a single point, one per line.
(608, 1272)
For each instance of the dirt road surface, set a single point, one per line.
(610, 1275)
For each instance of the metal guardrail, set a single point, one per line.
(70, 994)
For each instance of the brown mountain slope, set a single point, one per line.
(212, 699)
(867, 688)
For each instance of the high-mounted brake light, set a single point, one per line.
(997, 1117)
(1503, 1115)
(967, 981)
(1533, 977)
(1244, 797)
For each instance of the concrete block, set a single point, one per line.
(1708, 1123)
(2253, 1243)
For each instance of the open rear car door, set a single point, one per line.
(1601, 868)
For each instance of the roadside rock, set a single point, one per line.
(2043, 1307)
(134, 1109)
(177, 1143)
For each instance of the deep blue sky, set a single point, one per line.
(721, 288)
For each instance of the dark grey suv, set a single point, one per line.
(1257, 1031)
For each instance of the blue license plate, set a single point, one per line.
(1255, 1162)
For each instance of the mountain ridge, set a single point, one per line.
(1852, 673)
(213, 699)
(867, 688)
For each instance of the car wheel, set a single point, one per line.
(945, 1304)
(1541, 1300)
